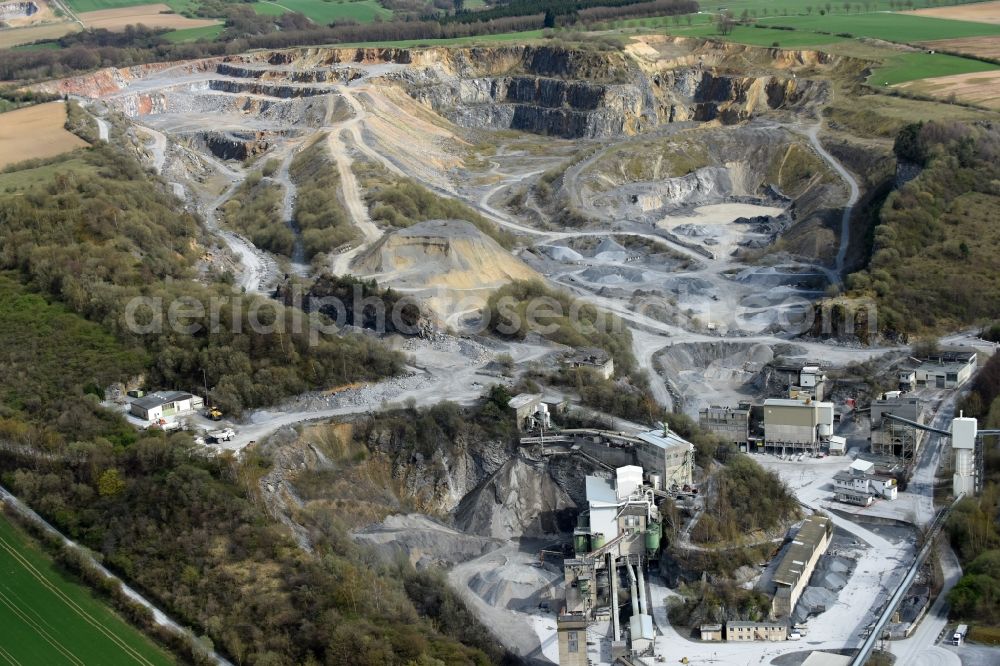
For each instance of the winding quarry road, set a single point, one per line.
(852, 198)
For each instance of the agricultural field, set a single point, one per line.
(980, 12)
(981, 89)
(894, 27)
(35, 131)
(976, 47)
(47, 619)
(321, 12)
(12, 37)
(151, 15)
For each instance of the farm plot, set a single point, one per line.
(151, 16)
(35, 131)
(982, 89)
(980, 12)
(977, 47)
(46, 619)
(11, 37)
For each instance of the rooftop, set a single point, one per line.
(522, 399)
(745, 623)
(160, 398)
(808, 538)
(816, 658)
(668, 441)
(794, 402)
(601, 490)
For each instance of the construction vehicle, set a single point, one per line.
(223, 435)
(213, 413)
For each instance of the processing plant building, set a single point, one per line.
(798, 563)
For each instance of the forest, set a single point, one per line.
(937, 231)
(98, 237)
(972, 526)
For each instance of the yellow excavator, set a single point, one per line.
(214, 414)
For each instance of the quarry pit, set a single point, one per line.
(675, 183)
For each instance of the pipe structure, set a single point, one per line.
(613, 578)
(643, 601)
(633, 590)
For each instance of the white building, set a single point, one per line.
(948, 369)
(618, 505)
(165, 404)
(860, 481)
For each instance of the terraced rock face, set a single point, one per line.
(541, 89)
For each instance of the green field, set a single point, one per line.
(46, 619)
(322, 12)
(194, 34)
(914, 66)
(890, 27)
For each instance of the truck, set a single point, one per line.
(223, 435)
(960, 633)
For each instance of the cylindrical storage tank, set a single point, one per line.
(825, 430)
(656, 481)
(596, 540)
(653, 535)
(581, 542)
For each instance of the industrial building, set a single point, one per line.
(947, 369)
(164, 404)
(671, 453)
(666, 457)
(798, 563)
(756, 631)
(860, 485)
(572, 636)
(530, 411)
(811, 385)
(711, 632)
(618, 532)
(731, 425)
(895, 437)
(593, 358)
(797, 424)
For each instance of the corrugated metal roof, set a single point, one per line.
(160, 398)
(806, 541)
(656, 438)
